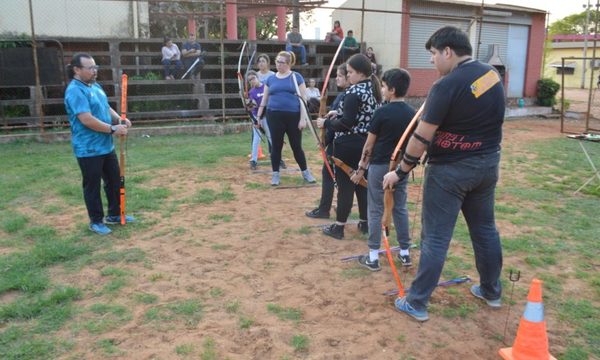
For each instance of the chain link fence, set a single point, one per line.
(126, 36)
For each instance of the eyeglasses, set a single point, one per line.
(93, 67)
(281, 62)
(251, 79)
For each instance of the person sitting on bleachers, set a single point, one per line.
(371, 55)
(336, 34)
(192, 51)
(313, 96)
(350, 46)
(294, 43)
(170, 56)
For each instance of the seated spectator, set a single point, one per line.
(190, 52)
(336, 34)
(171, 57)
(313, 96)
(294, 43)
(350, 46)
(371, 55)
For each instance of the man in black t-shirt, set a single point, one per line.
(461, 128)
(385, 129)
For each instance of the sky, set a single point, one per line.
(558, 9)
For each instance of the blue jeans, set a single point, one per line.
(168, 66)
(375, 208)
(469, 186)
(301, 49)
(256, 135)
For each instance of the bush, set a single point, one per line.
(546, 92)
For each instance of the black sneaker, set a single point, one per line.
(253, 165)
(365, 261)
(282, 165)
(363, 226)
(405, 260)
(335, 231)
(317, 214)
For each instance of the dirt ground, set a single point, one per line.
(268, 252)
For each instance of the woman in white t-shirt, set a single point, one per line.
(171, 59)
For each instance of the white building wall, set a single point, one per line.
(74, 18)
(381, 31)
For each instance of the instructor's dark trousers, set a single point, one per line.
(94, 169)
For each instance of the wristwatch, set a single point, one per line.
(113, 128)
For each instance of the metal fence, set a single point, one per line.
(579, 95)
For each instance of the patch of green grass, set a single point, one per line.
(106, 317)
(188, 311)
(184, 349)
(300, 343)
(13, 222)
(145, 298)
(220, 218)
(209, 196)
(284, 313)
(220, 246)
(33, 306)
(257, 186)
(216, 292)
(463, 311)
(130, 255)
(232, 307)
(246, 322)
(113, 271)
(208, 350)
(18, 344)
(109, 347)
(305, 230)
(113, 286)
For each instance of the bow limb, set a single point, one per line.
(348, 170)
(243, 90)
(323, 100)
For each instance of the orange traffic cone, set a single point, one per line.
(532, 341)
(260, 152)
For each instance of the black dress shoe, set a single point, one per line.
(335, 231)
(316, 214)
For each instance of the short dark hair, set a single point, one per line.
(76, 62)
(350, 32)
(397, 79)
(452, 37)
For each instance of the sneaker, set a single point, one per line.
(282, 165)
(317, 214)
(275, 178)
(335, 231)
(404, 260)
(365, 261)
(253, 165)
(476, 291)
(100, 228)
(308, 176)
(403, 306)
(116, 219)
(363, 226)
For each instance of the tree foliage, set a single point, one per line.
(170, 19)
(575, 24)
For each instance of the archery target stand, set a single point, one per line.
(592, 138)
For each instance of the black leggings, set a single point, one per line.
(281, 123)
(348, 148)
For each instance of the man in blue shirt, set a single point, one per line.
(190, 52)
(92, 124)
